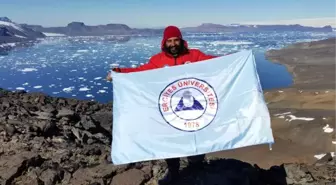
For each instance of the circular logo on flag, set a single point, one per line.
(188, 104)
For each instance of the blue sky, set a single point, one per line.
(157, 13)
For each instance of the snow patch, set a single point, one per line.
(281, 114)
(13, 25)
(20, 36)
(53, 34)
(327, 129)
(320, 156)
(292, 117)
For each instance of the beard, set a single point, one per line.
(175, 50)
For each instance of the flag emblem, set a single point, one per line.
(188, 104)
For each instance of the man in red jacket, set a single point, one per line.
(174, 52)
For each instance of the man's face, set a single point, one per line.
(173, 45)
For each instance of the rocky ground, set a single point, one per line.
(311, 63)
(48, 140)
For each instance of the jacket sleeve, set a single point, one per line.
(147, 66)
(202, 56)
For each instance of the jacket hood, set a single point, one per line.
(169, 32)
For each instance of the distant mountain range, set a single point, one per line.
(14, 32)
(210, 27)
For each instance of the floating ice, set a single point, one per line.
(26, 83)
(76, 55)
(84, 89)
(68, 89)
(101, 91)
(37, 87)
(82, 51)
(28, 69)
(20, 88)
(97, 78)
(89, 95)
(216, 43)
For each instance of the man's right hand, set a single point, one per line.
(109, 77)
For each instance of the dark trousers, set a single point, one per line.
(174, 163)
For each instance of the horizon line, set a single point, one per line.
(312, 22)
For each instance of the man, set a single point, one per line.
(175, 51)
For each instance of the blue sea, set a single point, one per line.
(76, 67)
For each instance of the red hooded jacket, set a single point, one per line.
(163, 58)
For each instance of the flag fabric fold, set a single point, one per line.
(191, 109)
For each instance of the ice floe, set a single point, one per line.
(28, 69)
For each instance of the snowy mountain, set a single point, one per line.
(13, 32)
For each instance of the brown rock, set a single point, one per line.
(94, 175)
(50, 177)
(129, 177)
(15, 165)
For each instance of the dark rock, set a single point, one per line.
(48, 108)
(47, 128)
(10, 130)
(31, 178)
(64, 112)
(92, 150)
(104, 119)
(51, 177)
(88, 123)
(44, 115)
(325, 159)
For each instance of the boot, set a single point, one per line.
(196, 162)
(173, 172)
(172, 176)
